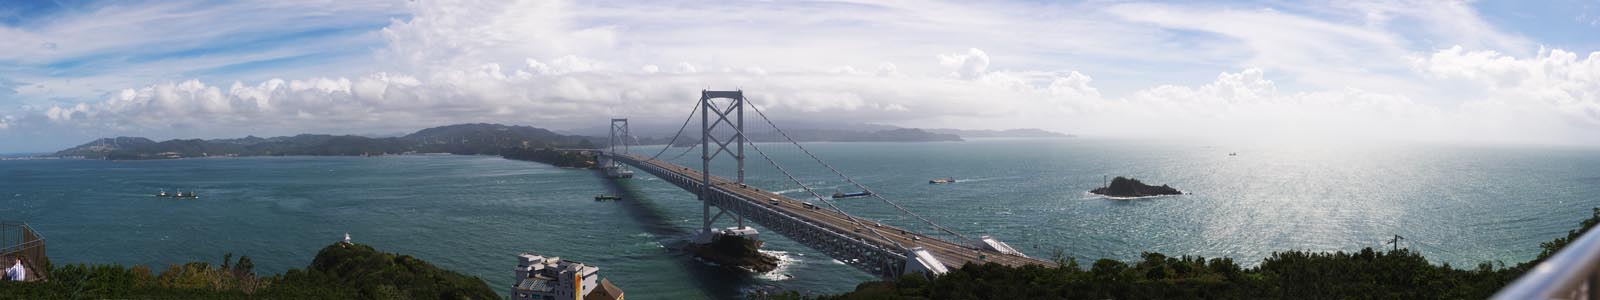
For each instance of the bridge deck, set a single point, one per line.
(951, 254)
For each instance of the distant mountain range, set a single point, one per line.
(455, 139)
(817, 131)
(1008, 133)
(493, 139)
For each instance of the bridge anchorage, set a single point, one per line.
(870, 246)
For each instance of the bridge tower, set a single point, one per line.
(620, 138)
(730, 114)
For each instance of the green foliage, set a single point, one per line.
(340, 271)
(1549, 248)
(379, 275)
(1365, 274)
(559, 158)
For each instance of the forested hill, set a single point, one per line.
(454, 139)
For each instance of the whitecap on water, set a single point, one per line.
(982, 179)
(706, 262)
(1088, 195)
(781, 272)
(786, 192)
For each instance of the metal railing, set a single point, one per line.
(1569, 274)
(18, 239)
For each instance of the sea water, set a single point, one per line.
(471, 214)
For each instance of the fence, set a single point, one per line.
(1571, 273)
(18, 239)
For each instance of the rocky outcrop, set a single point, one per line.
(738, 252)
(1128, 187)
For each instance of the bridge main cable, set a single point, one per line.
(819, 197)
(676, 135)
(852, 181)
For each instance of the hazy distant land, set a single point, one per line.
(489, 139)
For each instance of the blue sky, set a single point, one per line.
(1485, 71)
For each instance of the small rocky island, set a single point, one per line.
(1130, 188)
(736, 252)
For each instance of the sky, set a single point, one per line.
(1494, 72)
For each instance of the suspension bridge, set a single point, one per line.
(813, 220)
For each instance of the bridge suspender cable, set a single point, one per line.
(847, 178)
(803, 186)
(676, 135)
(685, 152)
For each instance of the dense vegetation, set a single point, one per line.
(564, 159)
(1365, 274)
(340, 271)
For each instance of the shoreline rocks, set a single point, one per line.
(736, 252)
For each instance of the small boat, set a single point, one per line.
(181, 194)
(942, 180)
(163, 194)
(1233, 153)
(842, 195)
(607, 197)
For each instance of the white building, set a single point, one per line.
(550, 278)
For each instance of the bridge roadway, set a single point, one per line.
(952, 255)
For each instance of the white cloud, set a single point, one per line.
(1555, 81)
(82, 52)
(684, 68)
(887, 69)
(454, 34)
(1446, 22)
(567, 64)
(971, 65)
(846, 70)
(1074, 85)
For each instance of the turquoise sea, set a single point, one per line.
(1456, 204)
